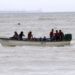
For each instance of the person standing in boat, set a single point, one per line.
(57, 37)
(30, 36)
(61, 35)
(52, 35)
(21, 35)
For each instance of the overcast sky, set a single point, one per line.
(37, 5)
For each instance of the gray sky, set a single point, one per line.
(37, 5)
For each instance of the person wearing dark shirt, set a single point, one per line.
(21, 35)
(52, 35)
(61, 35)
(15, 36)
(57, 35)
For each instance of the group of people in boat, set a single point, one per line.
(17, 36)
(54, 36)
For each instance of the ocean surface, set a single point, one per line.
(33, 60)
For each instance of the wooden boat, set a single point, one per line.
(25, 42)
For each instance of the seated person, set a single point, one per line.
(21, 35)
(30, 36)
(15, 36)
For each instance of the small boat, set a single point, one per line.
(36, 42)
(10, 42)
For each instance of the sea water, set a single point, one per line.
(33, 60)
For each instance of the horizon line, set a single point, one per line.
(36, 11)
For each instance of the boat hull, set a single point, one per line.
(8, 42)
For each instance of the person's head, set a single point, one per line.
(21, 32)
(56, 31)
(60, 31)
(30, 32)
(15, 32)
(52, 30)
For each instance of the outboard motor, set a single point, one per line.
(68, 37)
